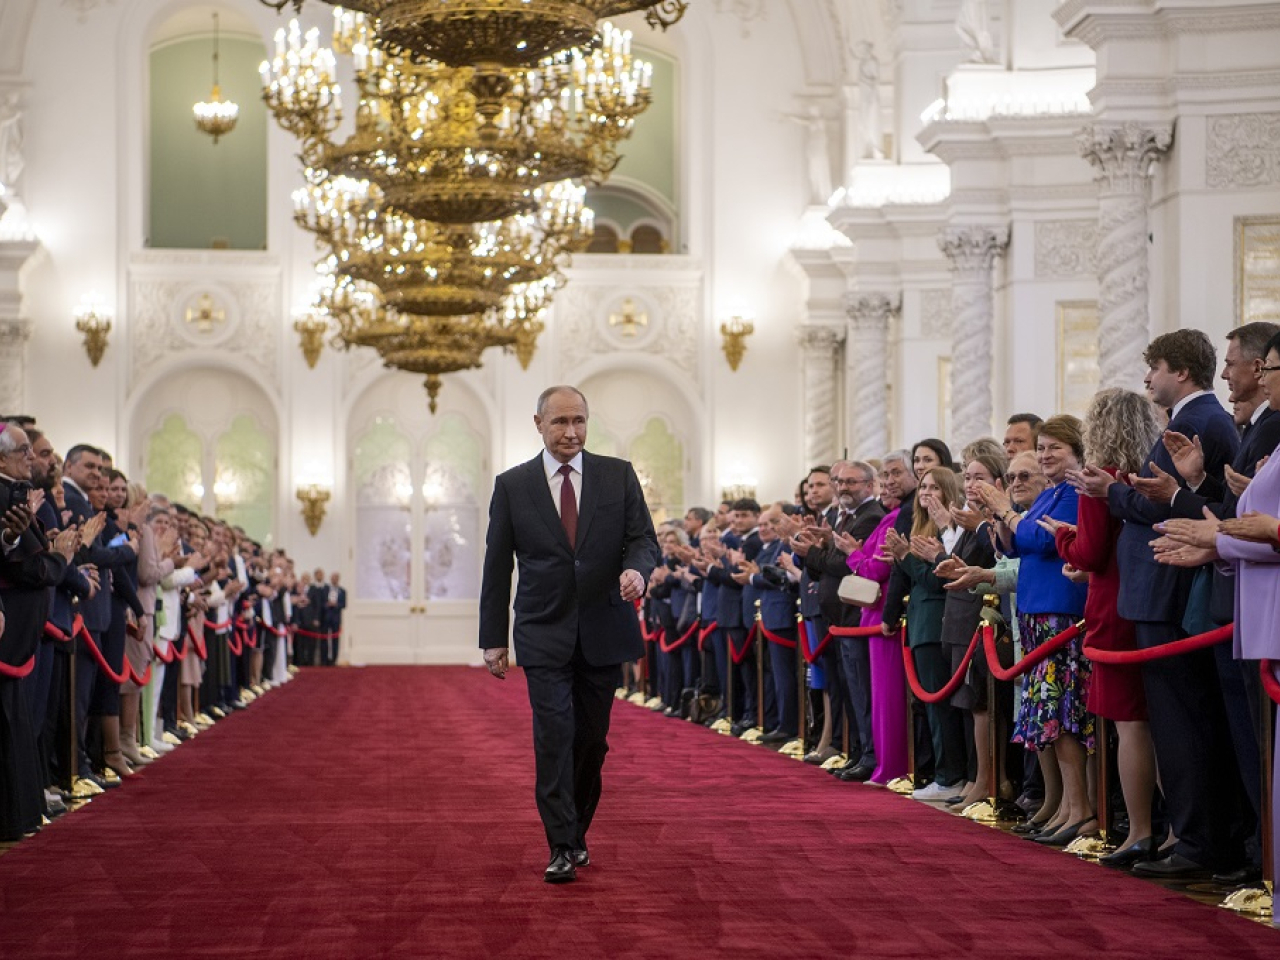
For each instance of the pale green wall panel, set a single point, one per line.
(200, 190)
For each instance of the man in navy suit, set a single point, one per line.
(1260, 425)
(1188, 722)
(578, 526)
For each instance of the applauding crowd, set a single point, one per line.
(128, 623)
(1107, 558)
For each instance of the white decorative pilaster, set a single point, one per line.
(1124, 155)
(972, 251)
(820, 352)
(13, 329)
(868, 359)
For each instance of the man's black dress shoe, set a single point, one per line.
(1173, 867)
(859, 773)
(1239, 876)
(561, 869)
(776, 736)
(1139, 852)
(580, 857)
(738, 729)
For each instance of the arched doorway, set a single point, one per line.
(419, 485)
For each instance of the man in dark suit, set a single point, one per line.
(1188, 721)
(1260, 426)
(579, 528)
(335, 603)
(859, 513)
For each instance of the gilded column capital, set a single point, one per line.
(1123, 154)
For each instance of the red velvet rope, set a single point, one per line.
(1185, 645)
(704, 633)
(215, 627)
(774, 638)
(951, 686)
(235, 643)
(810, 655)
(327, 635)
(278, 631)
(248, 636)
(105, 667)
(141, 681)
(197, 642)
(676, 645)
(17, 673)
(871, 631)
(1040, 653)
(1269, 681)
(53, 633)
(740, 655)
(169, 656)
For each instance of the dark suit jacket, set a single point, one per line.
(1150, 591)
(567, 594)
(1260, 440)
(26, 573)
(829, 566)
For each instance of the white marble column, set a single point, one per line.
(972, 251)
(867, 350)
(820, 354)
(13, 329)
(1124, 156)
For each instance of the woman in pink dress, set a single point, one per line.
(888, 676)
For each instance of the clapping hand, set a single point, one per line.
(1253, 526)
(1175, 553)
(1193, 533)
(16, 520)
(1051, 525)
(995, 499)
(66, 543)
(1187, 456)
(1159, 487)
(1074, 575)
(896, 546)
(961, 575)
(92, 528)
(966, 519)
(845, 543)
(926, 548)
(1237, 482)
(35, 500)
(1091, 481)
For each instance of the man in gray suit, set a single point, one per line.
(578, 526)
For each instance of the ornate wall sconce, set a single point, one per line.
(311, 328)
(735, 332)
(94, 321)
(313, 498)
(738, 491)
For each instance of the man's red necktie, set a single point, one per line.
(568, 505)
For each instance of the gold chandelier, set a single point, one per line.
(444, 216)
(216, 116)
(498, 34)
(438, 150)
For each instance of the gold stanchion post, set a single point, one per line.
(795, 748)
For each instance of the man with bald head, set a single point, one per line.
(578, 526)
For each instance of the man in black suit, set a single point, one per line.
(1260, 426)
(580, 530)
(1188, 721)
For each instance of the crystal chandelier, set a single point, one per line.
(443, 218)
(494, 34)
(216, 116)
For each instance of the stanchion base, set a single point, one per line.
(839, 760)
(654, 703)
(258, 689)
(620, 693)
(903, 785)
(752, 736)
(247, 695)
(794, 749)
(637, 698)
(190, 729)
(723, 725)
(1252, 900)
(293, 671)
(147, 752)
(110, 776)
(980, 811)
(1089, 847)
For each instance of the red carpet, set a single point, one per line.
(388, 812)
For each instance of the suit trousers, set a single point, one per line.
(571, 707)
(782, 664)
(1241, 696)
(1193, 749)
(855, 654)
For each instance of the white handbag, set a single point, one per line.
(859, 591)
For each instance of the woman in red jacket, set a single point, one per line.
(1120, 428)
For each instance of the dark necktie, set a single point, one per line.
(568, 505)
